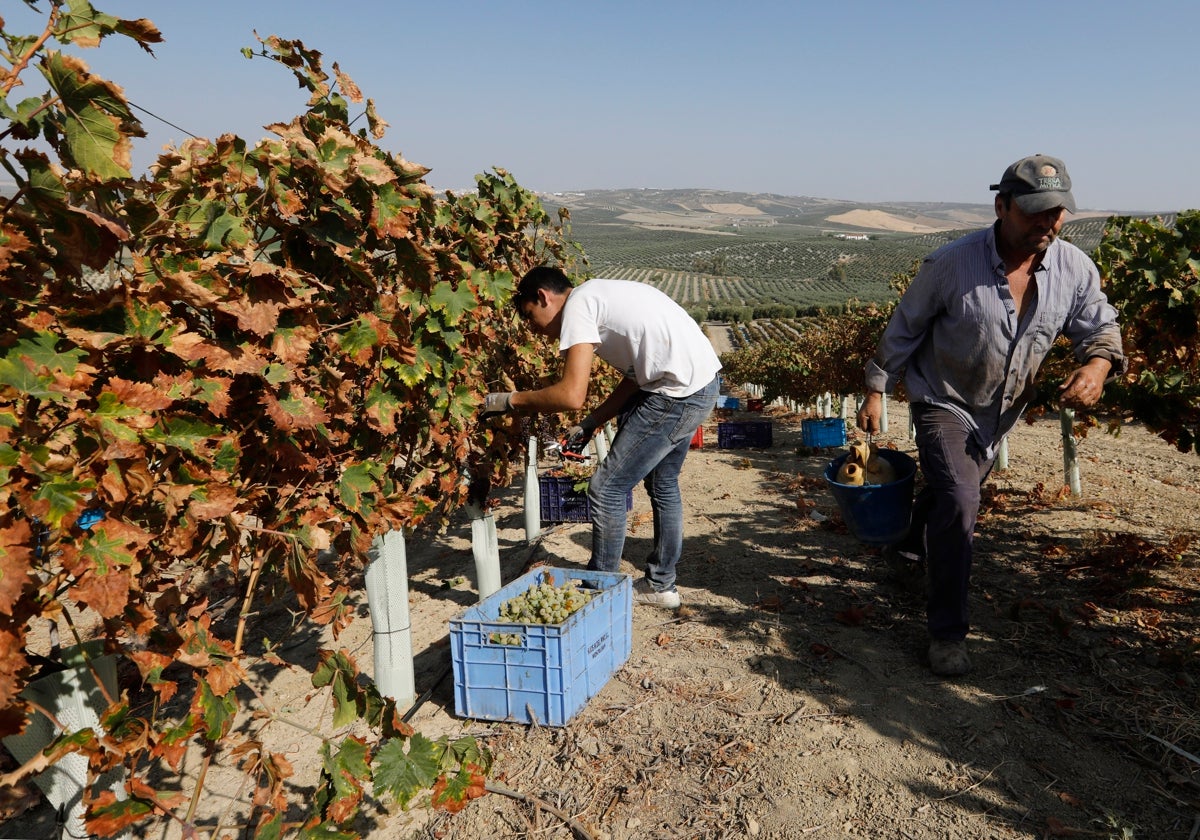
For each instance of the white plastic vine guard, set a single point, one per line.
(74, 697)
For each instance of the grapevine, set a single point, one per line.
(254, 361)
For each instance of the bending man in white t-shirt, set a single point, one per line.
(669, 389)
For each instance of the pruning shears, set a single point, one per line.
(570, 450)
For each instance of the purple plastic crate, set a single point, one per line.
(747, 434)
(561, 502)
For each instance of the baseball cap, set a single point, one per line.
(1037, 183)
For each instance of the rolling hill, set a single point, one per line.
(709, 248)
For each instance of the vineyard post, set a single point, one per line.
(387, 601)
(68, 701)
(601, 445)
(883, 415)
(610, 432)
(1002, 454)
(845, 406)
(486, 550)
(533, 495)
(1066, 417)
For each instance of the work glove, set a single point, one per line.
(580, 434)
(496, 404)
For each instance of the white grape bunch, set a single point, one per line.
(542, 603)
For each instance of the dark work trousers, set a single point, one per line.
(944, 514)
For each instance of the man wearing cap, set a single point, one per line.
(968, 336)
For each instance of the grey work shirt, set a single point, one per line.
(956, 336)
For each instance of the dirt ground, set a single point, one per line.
(789, 697)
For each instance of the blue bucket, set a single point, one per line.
(877, 514)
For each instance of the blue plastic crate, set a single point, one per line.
(725, 401)
(821, 433)
(556, 668)
(748, 434)
(561, 502)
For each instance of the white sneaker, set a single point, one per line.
(645, 593)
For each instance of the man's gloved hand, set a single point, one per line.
(496, 404)
(579, 435)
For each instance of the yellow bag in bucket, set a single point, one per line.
(876, 514)
(863, 465)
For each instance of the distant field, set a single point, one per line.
(762, 262)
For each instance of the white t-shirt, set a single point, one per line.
(642, 333)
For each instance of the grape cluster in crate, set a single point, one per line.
(542, 603)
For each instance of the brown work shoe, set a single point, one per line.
(949, 659)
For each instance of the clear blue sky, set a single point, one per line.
(878, 100)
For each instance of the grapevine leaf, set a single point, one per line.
(41, 351)
(45, 186)
(453, 792)
(278, 374)
(356, 480)
(217, 712)
(15, 558)
(17, 375)
(106, 551)
(393, 211)
(61, 496)
(98, 124)
(271, 829)
(109, 816)
(453, 302)
(360, 336)
(338, 671)
(466, 750)
(495, 286)
(383, 407)
(294, 412)
(182, 433)
(346, 770)
(142, 321)
(405, 774)
(227, 457)
(225, 229)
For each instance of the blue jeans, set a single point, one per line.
(944, 515)
(653, 437)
